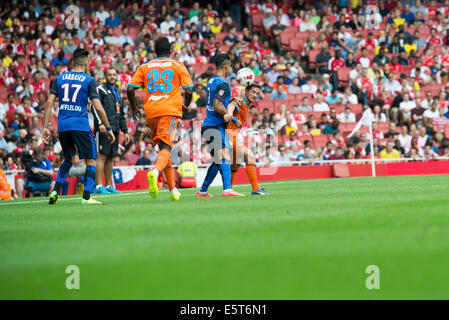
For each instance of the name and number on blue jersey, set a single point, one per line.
(217, 88)
(73, 90)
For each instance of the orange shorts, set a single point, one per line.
(163, 129)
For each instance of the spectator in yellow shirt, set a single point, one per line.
(389, 152)
(409, 46)
(216, 26)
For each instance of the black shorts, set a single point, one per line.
(210, 133)
(78, 142)
(104, 144)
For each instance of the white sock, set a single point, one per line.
(100, 185)
(108, 186)
(156, 172)
(173, 190)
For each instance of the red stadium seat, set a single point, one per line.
(312, 57)
(286, 38)
(257, 22)
(339, 108)
(296, 45)
(343, 75)
(383, 126)
(320, 141)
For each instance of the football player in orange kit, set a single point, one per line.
(239, 107)
(163, 79)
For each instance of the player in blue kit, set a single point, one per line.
(214, 126)
(73, 90)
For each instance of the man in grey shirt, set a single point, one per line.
(305, 107)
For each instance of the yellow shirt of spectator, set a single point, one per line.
(399, 21)
(354, 4)
(215, 29)
(410, 47)
(376, 51)
(315, 132)
(7, 61)
(394, 154)
(8, 22)
(195, 96)
(289, 129)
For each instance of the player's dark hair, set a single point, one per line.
(253, 85)
(110, 69)
(162, 47)
(221, 60)
(79, 55)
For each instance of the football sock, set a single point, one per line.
(162, 159)
(63, 172)
(168, 171)
(89, 181)
(251, 171)
(233, 173)
(210, 176)
(225, 170)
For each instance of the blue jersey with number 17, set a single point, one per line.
(73, 90)
(217, 88)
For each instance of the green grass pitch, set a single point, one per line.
(310, 239)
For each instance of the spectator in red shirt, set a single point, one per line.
(335, 64)
(394, 66)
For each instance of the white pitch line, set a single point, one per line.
(123, 194)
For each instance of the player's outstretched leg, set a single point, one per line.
(62, 175)
(175, 195)
(210, 176)
(89, 183)
(162, 161)
(234, 170)
(251, 171)
(225, 170)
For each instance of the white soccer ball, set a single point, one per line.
(245, 76)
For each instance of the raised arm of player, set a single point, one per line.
(103, 117)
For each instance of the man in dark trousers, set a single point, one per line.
(112, 102)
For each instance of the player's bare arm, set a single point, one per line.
(45, 132)
(131, 94)
(104, 119)
(220, 108)
(231, 109)
(188, 92)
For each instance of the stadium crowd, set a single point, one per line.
(320, 65)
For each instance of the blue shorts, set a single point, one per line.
(78, 142)
(210, 133)
(39, 186)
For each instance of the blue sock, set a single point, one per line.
(89, 181)
(225, 170)
(63, 172)
(210, 176)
